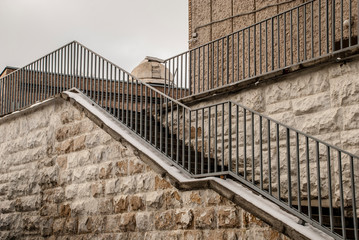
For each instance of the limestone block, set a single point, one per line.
(328, 121)
(183, 218)
(71, 226)
(58, 226)
(111, 224)
(204, 218)
(135, 166)
(112, 186)
(228, 218)
(121, 204)
(311, 104)
(97, 189)
(145, 182)
(127, 222)
(28, 203)
(344, 90)
(7, 206)
(79, 143)
(144, 221)
(351, 117)
(279, 107)
(154, 200)
(164, 220)
(127, 185)
(193, 235)
(278, 92)
(172, 199)
(136, 203)
(105, 206)
(309, 83)
(84, 190)
(31, 224)
(94, 224)
(106, 170)
(46, 226)
(71, 191)
(161, 183)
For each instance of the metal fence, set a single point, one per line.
(311, 30)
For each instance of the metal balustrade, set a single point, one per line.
(309, 31)
(309, 178)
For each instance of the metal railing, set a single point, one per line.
(311, 30)
(292, 169)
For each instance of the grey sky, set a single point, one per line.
(123, 31)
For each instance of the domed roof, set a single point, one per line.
(151, 70)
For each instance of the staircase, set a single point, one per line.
(223, 139)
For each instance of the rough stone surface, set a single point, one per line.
(93, 187)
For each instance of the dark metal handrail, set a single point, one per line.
(289, 167)
(314, 29)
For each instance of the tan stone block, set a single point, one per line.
(136, 203)
(62, 162)
(228, 218)
(165, 220)
(196, 198)
(183, 218)
(144, 221)
(121, 204)
(135, 166)
(105, 206)
(79, 143)
(279, 107)
(154, 200)
(66, 131)
(344, 90)
(67, 116)
(105, 171)
(172, 199)
(204, 218)
(71, 226)
(311, 104)
(65, 146)
(351, 118)
(97, 189)
(193, 235)
(58, 226)
(161, 183)
(121, 168)
(64, 210)
(127, 222)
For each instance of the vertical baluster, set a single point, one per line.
(319, 184)
(330, 191)
(289, 175)
(308, 177)
(341, 194)
(352, 181)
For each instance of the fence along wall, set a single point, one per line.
(322, 102)
(307, 31)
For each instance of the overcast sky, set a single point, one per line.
(123, 31)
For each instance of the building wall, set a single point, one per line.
(63, 177)
(251, 12)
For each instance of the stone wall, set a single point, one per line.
(204, 12)
(63, 177)
(322, 102)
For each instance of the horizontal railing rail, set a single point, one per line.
(314, 29)
(296, 171)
